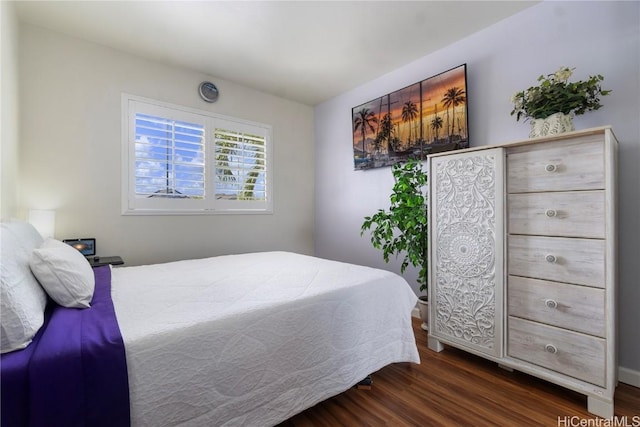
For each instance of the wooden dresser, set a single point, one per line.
(522, 258)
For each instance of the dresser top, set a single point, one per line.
(557, 137)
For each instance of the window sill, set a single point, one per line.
(171, 212)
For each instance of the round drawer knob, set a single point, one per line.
(551, 259)
(551, 303)
(550, 348)
(550, 213)
(551, 167)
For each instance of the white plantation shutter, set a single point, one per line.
(240, 165)
(187, 161)
(169, 157)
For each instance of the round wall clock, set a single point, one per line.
(208, 91)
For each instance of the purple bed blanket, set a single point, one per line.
(74, 373)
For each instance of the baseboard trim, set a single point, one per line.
(629, 376)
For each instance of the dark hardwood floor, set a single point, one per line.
(455, 388)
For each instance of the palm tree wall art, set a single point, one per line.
(426, 117)
(409, 114)
(436, 124)
(452, 98)
(364, 122)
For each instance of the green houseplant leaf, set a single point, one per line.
(402, 230)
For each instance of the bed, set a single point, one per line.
(238, 340)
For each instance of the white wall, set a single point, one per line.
(70, 114)
(595, 37)
(8, 110)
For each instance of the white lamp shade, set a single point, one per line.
(44, 221)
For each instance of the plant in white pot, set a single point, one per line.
(403, 229)
(552, 104)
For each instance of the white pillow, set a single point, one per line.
(64, 273)
(22, 299)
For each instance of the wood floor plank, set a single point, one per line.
(457, 388)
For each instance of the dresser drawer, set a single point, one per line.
(578, 261)
(568, 214)
(570, 353)
(557, 166)
(579, 308)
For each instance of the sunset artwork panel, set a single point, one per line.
(426, 117)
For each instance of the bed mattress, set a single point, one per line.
(250, 340)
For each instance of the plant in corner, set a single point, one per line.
(403, 229)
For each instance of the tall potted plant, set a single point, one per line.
(402, 230)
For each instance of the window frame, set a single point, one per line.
(132, 205)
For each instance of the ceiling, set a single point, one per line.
(306, 51)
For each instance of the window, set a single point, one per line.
(180, 160)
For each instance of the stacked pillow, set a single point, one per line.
(64, 273)
(22, 299)
(27, 265)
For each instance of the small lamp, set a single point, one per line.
(44, 221)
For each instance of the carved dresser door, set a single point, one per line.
(467, 249)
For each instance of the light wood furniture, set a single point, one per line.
(456, 388)
(522, 258)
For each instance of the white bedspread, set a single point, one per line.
(250, 340)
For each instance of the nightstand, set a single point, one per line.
(96, 261)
